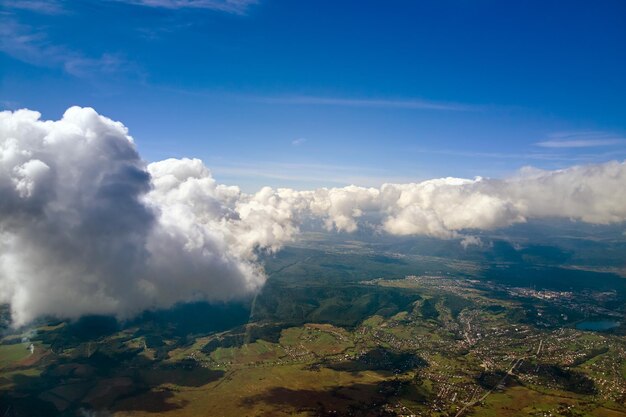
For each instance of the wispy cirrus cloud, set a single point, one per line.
(298, 142)
(38, 6)
(586, 139)
(229, 6)
(247, 175)
(27, 44)
(310, 100)
(8, 105)
(416, 104)
(539, 156)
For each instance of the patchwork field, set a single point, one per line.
(438, 343)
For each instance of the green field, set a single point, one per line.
(343, 333)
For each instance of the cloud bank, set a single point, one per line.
(86, 227)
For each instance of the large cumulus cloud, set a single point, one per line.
(72, 228)
(87, 227)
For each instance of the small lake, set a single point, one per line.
(597, 325)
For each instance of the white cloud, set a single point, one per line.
(471, 241)
(448, 206)
(87, 228)
(298, 142)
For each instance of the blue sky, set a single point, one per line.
(326, 93)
